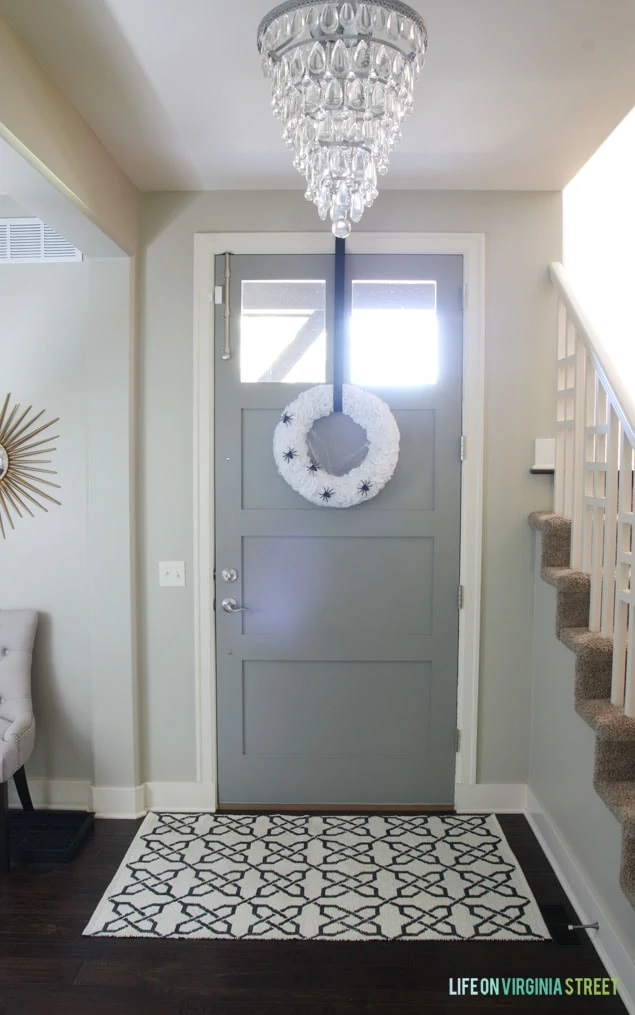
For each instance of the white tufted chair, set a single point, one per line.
(17, 725)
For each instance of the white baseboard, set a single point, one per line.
(487, 797)
(56, 794)
(181, 796)
(133, 802)
(119, 801)
(606, 940)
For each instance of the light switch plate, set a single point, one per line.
(171, 572)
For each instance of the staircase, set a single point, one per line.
(588, 553)
(614, 771)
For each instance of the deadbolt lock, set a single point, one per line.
(230, 574)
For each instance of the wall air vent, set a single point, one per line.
(29, 241)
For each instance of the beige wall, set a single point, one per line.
(523, 234)
(44, 319)
(65, 346)
(41, 125)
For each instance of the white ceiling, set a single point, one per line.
(515, 95)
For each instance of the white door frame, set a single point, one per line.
(206, 247)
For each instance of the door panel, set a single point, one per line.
(338, 683)
(314, 703)
(287, 578)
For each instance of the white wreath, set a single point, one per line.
(298, 467)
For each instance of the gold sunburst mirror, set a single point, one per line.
(22, 476)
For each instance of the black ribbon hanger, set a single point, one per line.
(339, 331)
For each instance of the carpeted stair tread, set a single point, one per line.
(619, 797)
(614, 763)
(608, 721)
(580, 640)
(556, 538)
(594, 661)
(551, 575)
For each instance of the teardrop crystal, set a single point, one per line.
(378, 99)
(339, 60)
(343, 197)
(337, 162)
(285, 27)
(382, 63)
(324, 202)
(330, 22)
(317, 60)
(355, 97)
(299, 23)
(357, 206)
(347, 15)
(398, 65)
(333, 95)
(297, 66)
(379, 19)
(392, 25)
(360, 162)
(313, 22)
(361, 56)
(364, 19)
(312, 98)
(285, 72)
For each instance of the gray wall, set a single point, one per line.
(561, 767)
(523, 233)
(44, 316)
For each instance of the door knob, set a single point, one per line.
(231, 606)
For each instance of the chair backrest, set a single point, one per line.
(17, 634)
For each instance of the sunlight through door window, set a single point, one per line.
(282, 332)
(394, 339)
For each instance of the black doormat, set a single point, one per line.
(47, 836)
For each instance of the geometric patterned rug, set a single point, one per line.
(336, 877)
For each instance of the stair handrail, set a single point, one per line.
(619, 395)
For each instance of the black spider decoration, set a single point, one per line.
(290, 454)
(313, 467)
(327, 493)
(286, 418)
(364, 487)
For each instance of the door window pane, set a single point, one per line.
(394, 340)
(282, 332)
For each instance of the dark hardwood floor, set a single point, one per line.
(48, 968)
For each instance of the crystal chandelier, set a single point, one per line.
(343, 77)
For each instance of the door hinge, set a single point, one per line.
(457, 741)
(463, 448)
(465, 295)
(461, 596)
(218, 295)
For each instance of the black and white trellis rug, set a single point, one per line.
(342, 878)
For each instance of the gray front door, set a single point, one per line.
(337, 685)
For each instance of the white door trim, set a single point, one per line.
(206, 247)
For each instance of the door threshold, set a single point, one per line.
(336, 809)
